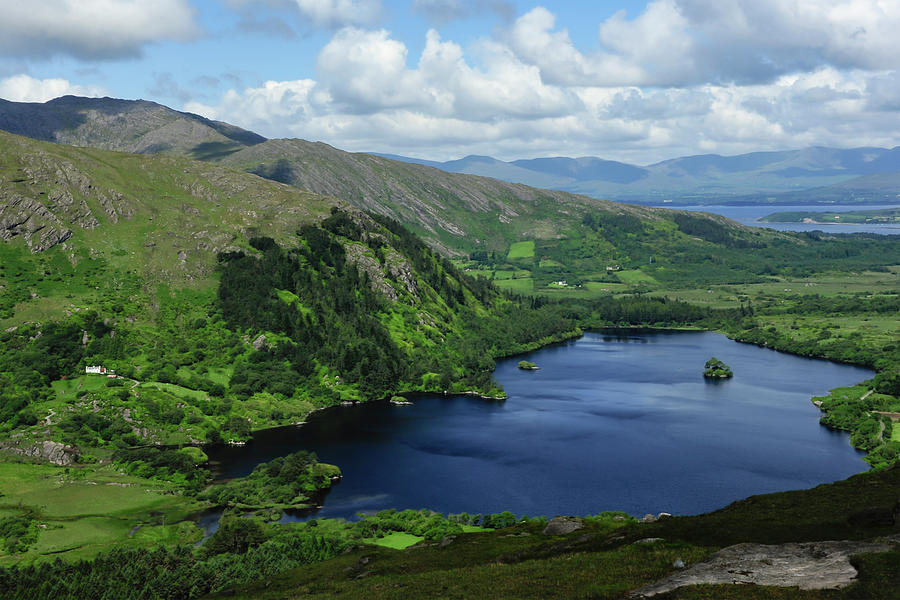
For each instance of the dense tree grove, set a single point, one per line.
(337, 325)
(285, 481)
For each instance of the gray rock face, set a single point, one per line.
(808, 566)
(53, 452)
(31, 219)
(563, 525)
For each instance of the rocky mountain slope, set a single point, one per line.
(167, 209)
(532, 237)
(458, 213)
(455, 212)
(135, 126)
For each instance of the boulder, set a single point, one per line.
(808, 566)
(563, 525)
(260, 342)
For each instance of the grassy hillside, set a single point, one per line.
(577, 240)
(605, 559)
(228, 303)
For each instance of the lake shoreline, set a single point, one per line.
(585, 389)
(613, 329)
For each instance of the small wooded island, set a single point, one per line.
(716, 369)
(528, 366)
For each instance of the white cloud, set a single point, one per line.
(363, 72)
(684, 42)
(532, 39)
(684, 76)
(25, 88)
(91, 29)
(366, 71)
(258, 108)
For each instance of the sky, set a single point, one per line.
(441, 79)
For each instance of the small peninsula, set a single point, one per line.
(528, 366)
(716, 369)
(856, 217)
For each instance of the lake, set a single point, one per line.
(612, 421)
(750, 215)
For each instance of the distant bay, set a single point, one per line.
(750, 215)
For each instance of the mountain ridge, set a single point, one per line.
(808, 175)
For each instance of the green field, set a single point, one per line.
(521, 250)
(88, 509)
(519, 286)
(396, 539)
(175, 390)
(635, 277)
(69, 389)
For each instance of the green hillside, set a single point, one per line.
(591, 245)
(226, 303)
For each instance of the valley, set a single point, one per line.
(276, 278)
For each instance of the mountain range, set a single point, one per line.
(805, 176)
(810, 175)
(457, 213)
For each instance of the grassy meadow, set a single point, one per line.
(82, 511)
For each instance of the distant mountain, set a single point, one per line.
(586, 168)
(791, 176)
(437, 204)
(136, 126)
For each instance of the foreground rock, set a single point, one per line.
(808, 566)
(563, 525)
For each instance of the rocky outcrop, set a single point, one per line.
(52, 452)
(365, 261)
(563, 525)
(55, 200)
(808, 566)
(29, 218)
(401, 271)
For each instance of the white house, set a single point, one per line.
(98, 370)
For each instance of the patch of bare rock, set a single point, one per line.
(53, 452)
(808, 566)
(563, 525)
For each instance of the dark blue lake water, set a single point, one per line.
(609, 422)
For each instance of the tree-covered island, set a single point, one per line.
(716, 369)
(526, 365)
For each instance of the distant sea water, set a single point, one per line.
(750, 215)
